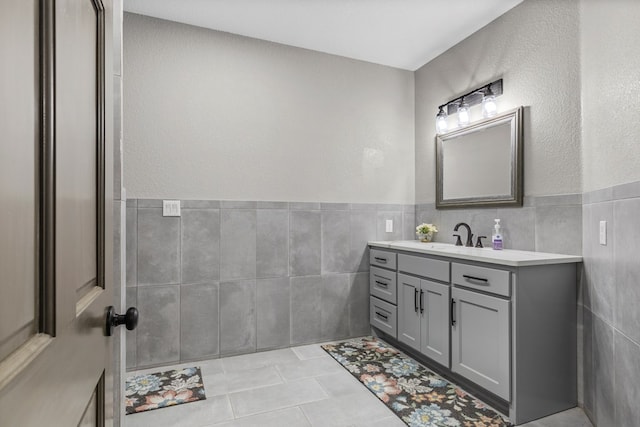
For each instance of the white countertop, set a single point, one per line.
(504, 257)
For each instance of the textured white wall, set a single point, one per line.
(535, 49)
(610, 56)
(210, 115)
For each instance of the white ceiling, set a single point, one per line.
(399, 33)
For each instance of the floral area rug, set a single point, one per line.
(418, 396)
(154, 391)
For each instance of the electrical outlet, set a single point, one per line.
(603, 233)
(171, 208)
(389, 226)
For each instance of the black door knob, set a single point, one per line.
(129, 319)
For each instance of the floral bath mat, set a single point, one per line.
(154, 391)
(418, 396)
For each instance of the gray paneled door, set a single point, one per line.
(55, 184)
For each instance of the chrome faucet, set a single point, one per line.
(469, 234)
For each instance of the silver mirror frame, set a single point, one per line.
(515, 117)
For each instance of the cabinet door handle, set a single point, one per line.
(421, 301)
(384, 316)
(380, 260)
(453, 312)
(381, 283)
(479, 279)
(415, 299)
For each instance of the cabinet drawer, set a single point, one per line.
(381, 258)
(383, 316)
(425, 267)
(481, 278)
(382, 284)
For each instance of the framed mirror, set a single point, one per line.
(481, 165)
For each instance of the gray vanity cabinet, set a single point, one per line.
(423, 317)
(480, 343)
(512, 328)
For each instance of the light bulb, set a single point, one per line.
(489, 107)
(463, 114)
(441, 122)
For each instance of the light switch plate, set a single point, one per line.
(603, 233)
(389, 226)
(171, 208)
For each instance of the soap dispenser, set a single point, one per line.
(497, 236)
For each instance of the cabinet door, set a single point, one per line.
(434, 319)
(480, 340)
(408, 311)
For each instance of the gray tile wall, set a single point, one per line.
(610, 292)
(543, 224)
(231, 277)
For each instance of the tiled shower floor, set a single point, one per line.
(299, 386)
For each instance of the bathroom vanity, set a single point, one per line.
(503, 322)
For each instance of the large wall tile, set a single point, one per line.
(334, 320)
(603, 369)
(336, 241)
(396, 217)
(304, 243)
(199, 321)
(363, 229)
(158, 332)
(272, 245)
(409, 226)
(627, 381)
(626, 247)
(200, 246)
(158, 248)
(273, 299)
(587, 363)
(237, 244)
(559, 229)
(481, 222)
(518, 228)
(131, 336)
(237, 317)
(600, 292)
(306, 312)
(132, 246)
(359, 304)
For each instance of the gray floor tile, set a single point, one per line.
(256, 360)
(290, 417)
(276, 397)
(572, 418)
(308, 368)
(339, 384)
(361, 407)
(194, 414)
(232, 382)
(392, 421)
(310, 351)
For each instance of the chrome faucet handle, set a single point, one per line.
(458, 240)
(479, 244)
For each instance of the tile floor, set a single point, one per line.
(299, 386)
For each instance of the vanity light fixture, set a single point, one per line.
(486, 95)
(489, 107)
(463, 113)
(441, 121)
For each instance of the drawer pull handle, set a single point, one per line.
(380, 260)
(453, 312)
(479, 279)
(384, 316)
(382, 283)
(415, 299)
(421, 301)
